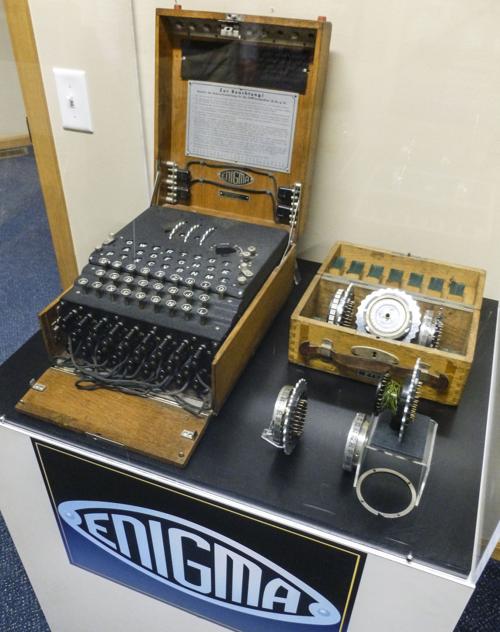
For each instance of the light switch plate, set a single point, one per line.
(73, 99)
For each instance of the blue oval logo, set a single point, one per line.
(198, 561)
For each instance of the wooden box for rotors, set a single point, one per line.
(197, 53)
(456, 290)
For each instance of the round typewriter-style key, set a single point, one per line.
(181, 262)
(130, 267)
(100, 272)
(205, 285)
(113, 276)
(126, 249)
(97, 286)
(188, 295)
(187, 309)
(197, 257)
(246, 254)
(184, 254)
(196, 265)
(111, 290)
(171, 304)
(175, 278)
(117, 265)
(159, 274)
(226, 264)
(145, 271)
(212, 260)
(156, 248)
(203, 314)
(139, 253)
(173, 291)
(194, 273)
(157, 286)
(140, 297)
(210, 269)
(156, 301)
(224, 281)
(153, 255)
(190, 282)
(209, 277)
(143, 284)
(179, 270)
(83, 283)
(169, 251)
(143, 245)
(252, 250)
(151, 264)
(204, 299)
(138, 260)
(127, 279)
(129, 242)
(103, 261)
(226, 272)
(126, 294)
(167, 258)
(242, 280)
(221, 290)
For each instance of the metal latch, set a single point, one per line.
(189, 434)
(37, 386)
(230, 26)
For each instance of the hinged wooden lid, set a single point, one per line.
(251, 57)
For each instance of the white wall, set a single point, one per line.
(12, 115)
(104, 173)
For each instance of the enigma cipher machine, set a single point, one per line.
(171, 307)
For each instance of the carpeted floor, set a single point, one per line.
(28, 281)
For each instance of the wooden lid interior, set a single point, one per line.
(267, 53)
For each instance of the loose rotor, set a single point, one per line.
(289, 416)
(409, 399)
(356, 441)
(431, 329)
(389, 313)
(341, 309)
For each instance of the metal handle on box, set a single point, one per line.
(378, 363)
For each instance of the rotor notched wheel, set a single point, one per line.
(289, 416)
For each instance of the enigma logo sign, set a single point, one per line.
(197, 561)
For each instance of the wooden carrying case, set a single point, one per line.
(457, 290)
(152, 425)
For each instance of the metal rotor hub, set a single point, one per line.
(289, 415)
(341, 309)
(389, 313)
(356, 441)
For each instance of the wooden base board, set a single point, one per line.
(10, 142)
(143, 425)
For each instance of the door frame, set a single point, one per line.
(30, 77)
